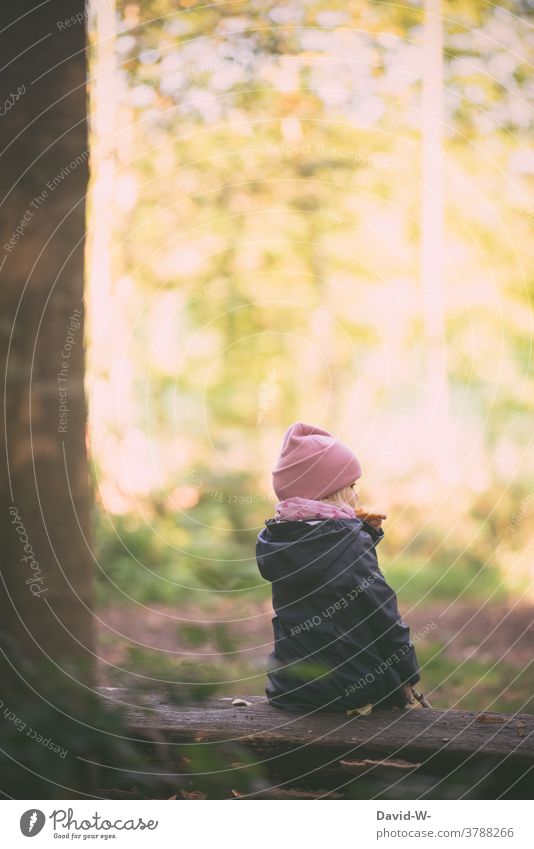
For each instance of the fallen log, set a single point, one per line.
(406, 752)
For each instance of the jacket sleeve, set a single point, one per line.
(376, 534)
(391, 633)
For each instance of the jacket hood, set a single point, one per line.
(298, 552)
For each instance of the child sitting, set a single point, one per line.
(339, 640)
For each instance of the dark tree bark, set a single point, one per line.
(45, 493)
(479, 755)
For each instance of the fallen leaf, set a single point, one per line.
(241, 703)
(361, 711)
(295, 793)
(194, 794)
(489, 717)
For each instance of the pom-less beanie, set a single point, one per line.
(313, 463)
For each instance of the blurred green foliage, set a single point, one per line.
(159, 561)
(267, 176)
(490, 685)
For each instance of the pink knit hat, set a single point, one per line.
(313, 463)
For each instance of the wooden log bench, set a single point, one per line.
(258, 751)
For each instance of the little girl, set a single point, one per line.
(339, 640)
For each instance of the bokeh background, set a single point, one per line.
(317, 211)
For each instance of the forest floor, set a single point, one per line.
(471, 657)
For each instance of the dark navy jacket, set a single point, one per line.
(339, 640)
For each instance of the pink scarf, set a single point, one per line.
(293, 509)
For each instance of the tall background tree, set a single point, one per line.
(45, 502)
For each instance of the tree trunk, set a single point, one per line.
(45, 497)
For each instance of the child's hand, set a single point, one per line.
(412, 701)
(373, 519)
(415, 699)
